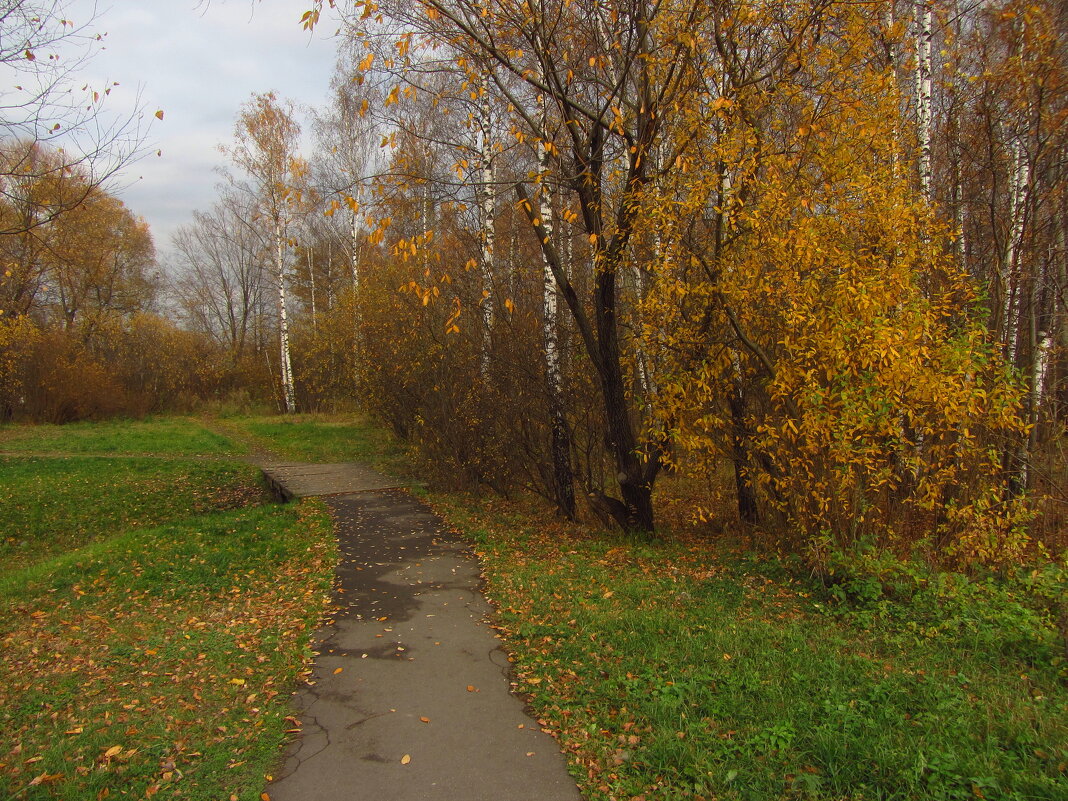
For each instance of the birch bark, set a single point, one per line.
(485, 153)
(563, 478)
(288, 390)
(924, 34)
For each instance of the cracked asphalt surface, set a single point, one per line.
(410, 696)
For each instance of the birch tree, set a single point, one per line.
(266, 150)
(563, 478)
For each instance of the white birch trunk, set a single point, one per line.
(354, 244)
(924, 34)
(288, 392)
(311, 281)
(485, 146)
(890, 21)
(424, 251)
(1019, 184)
(560, 437)
(550, 334)
(355, 256)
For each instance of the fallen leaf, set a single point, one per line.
(425, 720)
(112, 751)
(338, 670)
(406, 759)
(46, 778)
(471, 688)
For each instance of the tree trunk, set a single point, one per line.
(924, 34)
(288, 393)
(311, 281)
(563, 477)
(485, 145)
(748, 511)
(1018, 190)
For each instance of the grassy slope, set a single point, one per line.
(149, 629)
(53, 505)
(170, 436)
(325, 439)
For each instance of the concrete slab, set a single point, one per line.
(290, 480)
(411, 698)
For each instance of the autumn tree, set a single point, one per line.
(772, 272)
(94, 260)
(221, 284)
(605, 74)
(47, 106)
(266, 151)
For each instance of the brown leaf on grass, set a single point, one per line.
(112, 751)
(46, 778)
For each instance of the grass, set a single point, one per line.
(323, 439)
(167, 436)
(50, 506)
(154, 615)
(687, 669)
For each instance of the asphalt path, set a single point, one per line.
(410, 697)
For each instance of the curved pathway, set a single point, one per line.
(410, 698)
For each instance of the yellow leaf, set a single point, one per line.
(112, 751)
(406, 759)
(338, 670)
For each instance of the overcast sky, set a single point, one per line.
(199, 63)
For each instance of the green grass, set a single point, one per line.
(167, 436)
(154, 617)
(50, 506)
(687, 670)
(324, 439)
(154, 614)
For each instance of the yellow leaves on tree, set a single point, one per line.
(861, 401)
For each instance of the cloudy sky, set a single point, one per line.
(199, 62)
